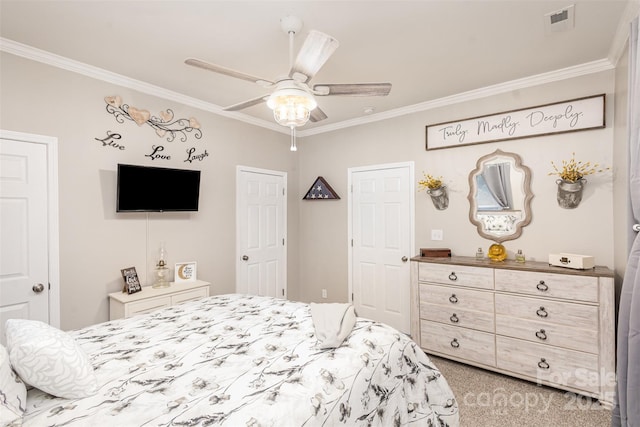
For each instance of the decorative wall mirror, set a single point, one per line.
(500, 196)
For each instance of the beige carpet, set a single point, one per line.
(487, 399)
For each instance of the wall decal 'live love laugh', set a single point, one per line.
(568, 116)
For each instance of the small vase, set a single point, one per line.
(439, 197)
(570, 193)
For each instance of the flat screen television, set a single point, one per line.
(154, 189)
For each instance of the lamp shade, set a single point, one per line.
(291, 106)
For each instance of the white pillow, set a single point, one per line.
(49, 359)
(13, 393)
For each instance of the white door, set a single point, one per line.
(381, 220)
(261, 218)
(25, 229)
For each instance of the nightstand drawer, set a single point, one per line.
(459, 275)
(147, 305)
(458, 342)
(542, 362)
(571, 287)
(189, 295)
(548, 312)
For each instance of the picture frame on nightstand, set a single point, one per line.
(185, 272)
(131, 281)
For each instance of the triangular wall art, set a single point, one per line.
(321, 190)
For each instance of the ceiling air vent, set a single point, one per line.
(560, 20)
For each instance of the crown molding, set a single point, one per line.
(539, 79)
(48, 58)
(29, 52)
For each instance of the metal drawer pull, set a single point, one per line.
(454, 318)
(542, 287)
(542, 364)
(453, 276)
(541, 334)
(455, 343)
(541, 312)
(453, 299)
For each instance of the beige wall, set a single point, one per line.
(95, 242)
(585, 230)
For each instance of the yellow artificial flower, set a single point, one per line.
(430, 182)
(574, 171)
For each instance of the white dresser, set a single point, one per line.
(533, 321)
(150, 299)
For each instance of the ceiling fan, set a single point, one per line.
(293, 94)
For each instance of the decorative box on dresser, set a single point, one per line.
(149, 299)
(530, 320)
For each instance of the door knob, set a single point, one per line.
(245, 258)
(405, 259)
(37, 288)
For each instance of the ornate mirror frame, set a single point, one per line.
(527, 195)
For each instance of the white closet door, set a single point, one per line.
(261, 232)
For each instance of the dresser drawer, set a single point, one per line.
(559, 366)
(548, 312)
(458, 317)
(458, 342)
(147, 305)
(189, 295)
(455, 297)
(545, 333)
(565, 286)
(459, 275)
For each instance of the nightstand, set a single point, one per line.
(150, 299)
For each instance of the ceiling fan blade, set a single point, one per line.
(247, 104)
(227, 71)
(315, 51)
(317, 115)
(353, 89)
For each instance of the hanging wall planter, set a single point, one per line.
(570, 193)
(439, 197)
(572, 181)
(436, 189)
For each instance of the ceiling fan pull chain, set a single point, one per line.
(293, 139)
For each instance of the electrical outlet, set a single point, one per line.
(324, 293)
(437, 235)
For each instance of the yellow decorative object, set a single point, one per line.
(430, 182)
(574, 171)
(497, 252)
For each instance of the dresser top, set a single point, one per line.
(150, 292)
(598, 271)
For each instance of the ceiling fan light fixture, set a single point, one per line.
(291, 106)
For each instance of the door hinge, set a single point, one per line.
(49, 285)
(283, 242)
(283, 292)
(352, 297)
(351, 242)
(283, 191)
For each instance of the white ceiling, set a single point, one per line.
(429, 50)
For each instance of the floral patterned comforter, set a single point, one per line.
(235, 360)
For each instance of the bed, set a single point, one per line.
(238, 360)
